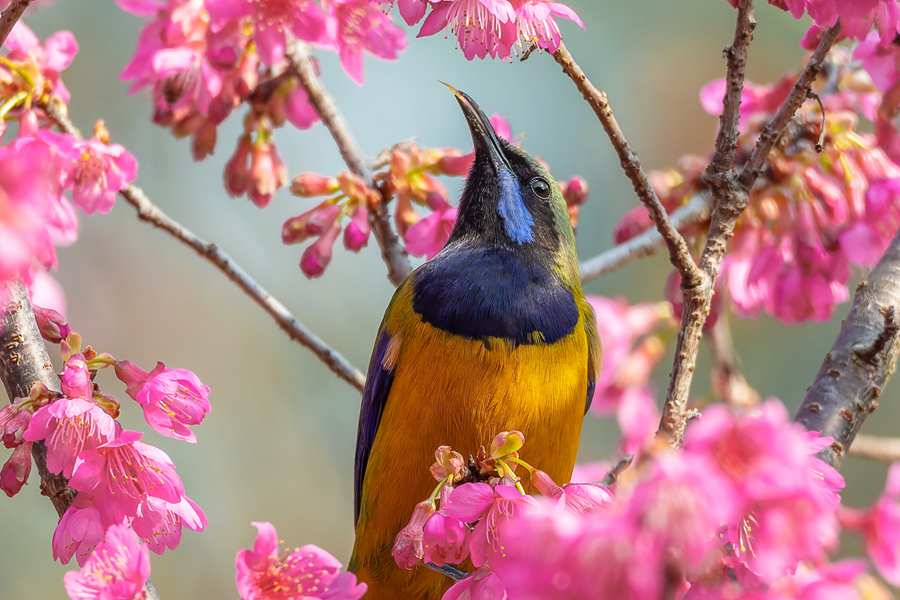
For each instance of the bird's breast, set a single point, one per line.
(486, 293)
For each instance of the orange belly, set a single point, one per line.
(452, 391)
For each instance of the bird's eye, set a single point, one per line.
(541, 188)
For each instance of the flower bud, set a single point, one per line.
(317, 256)
(309, 224)
(54, 327)
(506, 443)
(407, 550)
(267, 173)
(635, 221)
(576, 191)
(353, 186)
(237, 175)
(455, 163)
(356, 234)
(309, 185)
(204, 141)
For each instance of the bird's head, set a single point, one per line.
(510, 199)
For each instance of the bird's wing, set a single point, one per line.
(595, 353)
(378, 385)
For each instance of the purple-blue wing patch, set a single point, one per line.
(378, 386)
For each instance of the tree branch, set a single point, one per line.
(861, 361)
(392, 252)
(10, 16)
(678, 250)
(23, 362)
(881, 449)
(731, 193)
(297, 331)
(646, 243)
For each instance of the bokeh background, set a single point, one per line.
(278, 445)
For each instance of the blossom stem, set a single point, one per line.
(17, 70)
(519, 461)
(392, 252)
(696, 210)
(11, 103)
(678, 250)
(297, 331)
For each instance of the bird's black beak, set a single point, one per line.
(483, 135)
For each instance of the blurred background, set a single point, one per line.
(279, 443)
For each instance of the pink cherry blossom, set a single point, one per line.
(317, 255)
(54, 327)
(14, 419)
(866, 240)
(353, 26)
(159, 523)
(29, 205)
(50, 59)
(880, 527)
(482, 27)
(536, 25)
(428, 236)
(125, 472)
(483, 584)
(172, 399)
(445, 540)
(313, 222)
(98, 173)
(879, 61)
(117, 569)
(576, 497)
(271, 20)
(79, 531)
(412, 11)
(70, 426)
(307, 573)
(494, 509)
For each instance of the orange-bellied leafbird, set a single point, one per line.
(492, 334)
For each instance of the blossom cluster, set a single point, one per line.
(307, 573)
(407, 174)
(37, 213)
(743, 510)
(857, 17)
(119, 481)
(494, 28)
(812, 212)
(202, 59)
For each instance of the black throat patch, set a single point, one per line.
(487, 292)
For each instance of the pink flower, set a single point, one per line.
(483, 584)
(172, 399)
(271, 20)
(482, 27)
(159, 522)
(15, 471)
(267, 173)
(787, 496)
(536, 25)
(79, 531)
(50, 59)
(98, 174)
(54, 327)
(412, 11)
(70, 426)
(125, 472)
(445, 540)
(313, 222)
(428, 236)
(116, 570)
(29, 205)
(576, 497)
(879, 61)
(866, 240)
(494, 509)
(13, 423)
(880, 527)
(307, 573)
(356, 25)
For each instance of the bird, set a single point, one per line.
(492, 334)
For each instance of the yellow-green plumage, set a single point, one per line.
(441, 388)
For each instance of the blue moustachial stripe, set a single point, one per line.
(485, 292)
(517, 221)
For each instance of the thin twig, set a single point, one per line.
(23, 362)
(613, 475)
(873, 447)
(728, 382)
(10, 16)
(861, 361)
(731, 193)
(678, 250)
(392, 251)
(297, 331)
(647, 243)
